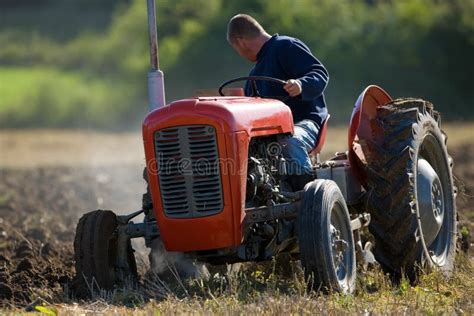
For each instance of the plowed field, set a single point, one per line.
(48, 179)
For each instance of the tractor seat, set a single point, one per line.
(322, 138)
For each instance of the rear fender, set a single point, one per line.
(360, 127)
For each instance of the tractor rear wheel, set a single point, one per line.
(96, 253)
(410, 189)
(326, 243)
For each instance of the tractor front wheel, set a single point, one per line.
(326, 243)
(96, 248)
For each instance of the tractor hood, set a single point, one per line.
(192, 218)
(255, 116)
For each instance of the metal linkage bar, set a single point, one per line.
(267, 213)
(360, 221)
(148, 230)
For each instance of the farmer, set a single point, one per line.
(288, 59)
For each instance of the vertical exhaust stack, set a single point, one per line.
(156, 81)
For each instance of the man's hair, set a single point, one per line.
(245, 26)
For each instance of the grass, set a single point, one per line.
(262, 289)
(43, 96)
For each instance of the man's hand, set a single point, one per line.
(293, 87)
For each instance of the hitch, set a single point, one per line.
(364, 254)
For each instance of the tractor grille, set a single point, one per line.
(188, 171)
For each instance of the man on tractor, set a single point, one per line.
(289, 59)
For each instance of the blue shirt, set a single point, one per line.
(286, 58)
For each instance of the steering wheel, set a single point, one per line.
(253, 80)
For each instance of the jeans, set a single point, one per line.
(295, 148)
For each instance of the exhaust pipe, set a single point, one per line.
(156, 80)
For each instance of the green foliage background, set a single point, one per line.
(66, 63)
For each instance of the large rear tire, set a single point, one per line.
(410, 189)
(326, 243)
(96, 254)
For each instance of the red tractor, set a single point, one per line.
(215, 194)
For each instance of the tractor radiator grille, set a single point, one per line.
(188, 171)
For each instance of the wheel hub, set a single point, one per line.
(338, 247)
(430, 201)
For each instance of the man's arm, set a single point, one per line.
(298, 62)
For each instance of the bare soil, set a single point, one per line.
(39, 209)
(40, 204)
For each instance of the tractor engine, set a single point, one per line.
(264, 171)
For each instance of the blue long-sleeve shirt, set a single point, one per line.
(286, 58)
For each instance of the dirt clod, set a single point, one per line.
(24, 250)
(5, 291)
(24, 265)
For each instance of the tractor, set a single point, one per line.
(215, 190)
